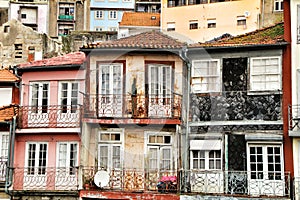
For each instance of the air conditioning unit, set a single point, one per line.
(247, 14)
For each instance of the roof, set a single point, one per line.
(76, 58)
(267, 36)
(7, 76)
(7, 112)
(140, 19)
(146, 40)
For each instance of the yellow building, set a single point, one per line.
(204, 20)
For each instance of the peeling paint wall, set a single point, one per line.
(20, 44)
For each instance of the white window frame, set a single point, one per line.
(40, 95)
(4, 144)
(37, 167)
(110, 144)
(99, 14)
(279, 4)
(211, 23)
(69, 106)
(159, 146)
(113, 14)
(264, 174)
(113, 29)
(171, 26)
(192, 22)
(267, 82)
(6, 96)
(241, 21)
(99, 27)
(201, 80)
(67, 158)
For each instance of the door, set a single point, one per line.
(38, 112)
(66, 172)
(160, 87)
(68, 112)
(35, 172)
(110, 99)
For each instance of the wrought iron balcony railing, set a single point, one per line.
(294, 118)
(52, 116)
(241, 183)
(45, 179)
(133, 106)
(3, 165)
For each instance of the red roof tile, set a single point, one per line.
(7, 112)
(267, 36)
(7, 76)
(140, 19)
(76, 58)
(148, 40)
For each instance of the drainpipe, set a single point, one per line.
(183, 56)
(10, 160)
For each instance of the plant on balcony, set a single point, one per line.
(88, 182)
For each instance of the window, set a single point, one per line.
(6, 28)
(36, 158)
(18, 50)
(278, 5)
(97, 28)
(39, 97)
(265, 162)
(193, 24)
(171, 26)
(68, 96)
(112, 14)
(99, 14)
(110, 149)
(265, 73)
(65, 29)
(206, 76)
(241, 21)
(6, 96)
(211, 23)
(23, 16)
(68, 156)
(206, 154)
(66, 9)
(112, 28)
(159, 151)
(4, 136)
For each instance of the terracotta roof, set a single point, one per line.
(7, 76)
(76, 58)
(146, 40)
(140, 19)
(7, 112)
(267, 36)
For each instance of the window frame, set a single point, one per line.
(212, 23)
(193, 23)
(101, 16)
(112, 16)
(70, 169)
(4, 144)
(69, 106)
(265, 162)
(111, 144)
(265, 74)
(206, 158)
(241, 21)
(217, 76)
(171, 26)
(39, 97)
(37, 166)
(279, 4)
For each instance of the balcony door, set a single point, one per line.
(66, 172)
(35, 172)
(110, 100)
(38, 112)
(160, 95)
(68, 112)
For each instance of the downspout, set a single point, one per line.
(10, 160)
(183, 56)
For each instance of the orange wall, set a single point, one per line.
(225, 13)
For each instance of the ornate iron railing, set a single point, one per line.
(240, 183)
(48, 178)
(294, 117)
(133, 106)
(135, 180)
(52, 116)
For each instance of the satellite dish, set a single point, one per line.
(101, 178)
(247, 13)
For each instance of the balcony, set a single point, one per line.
(133, 106)
(294, 120)
(45, 179)
(53, 116)
(3, 161)
(66, 17)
